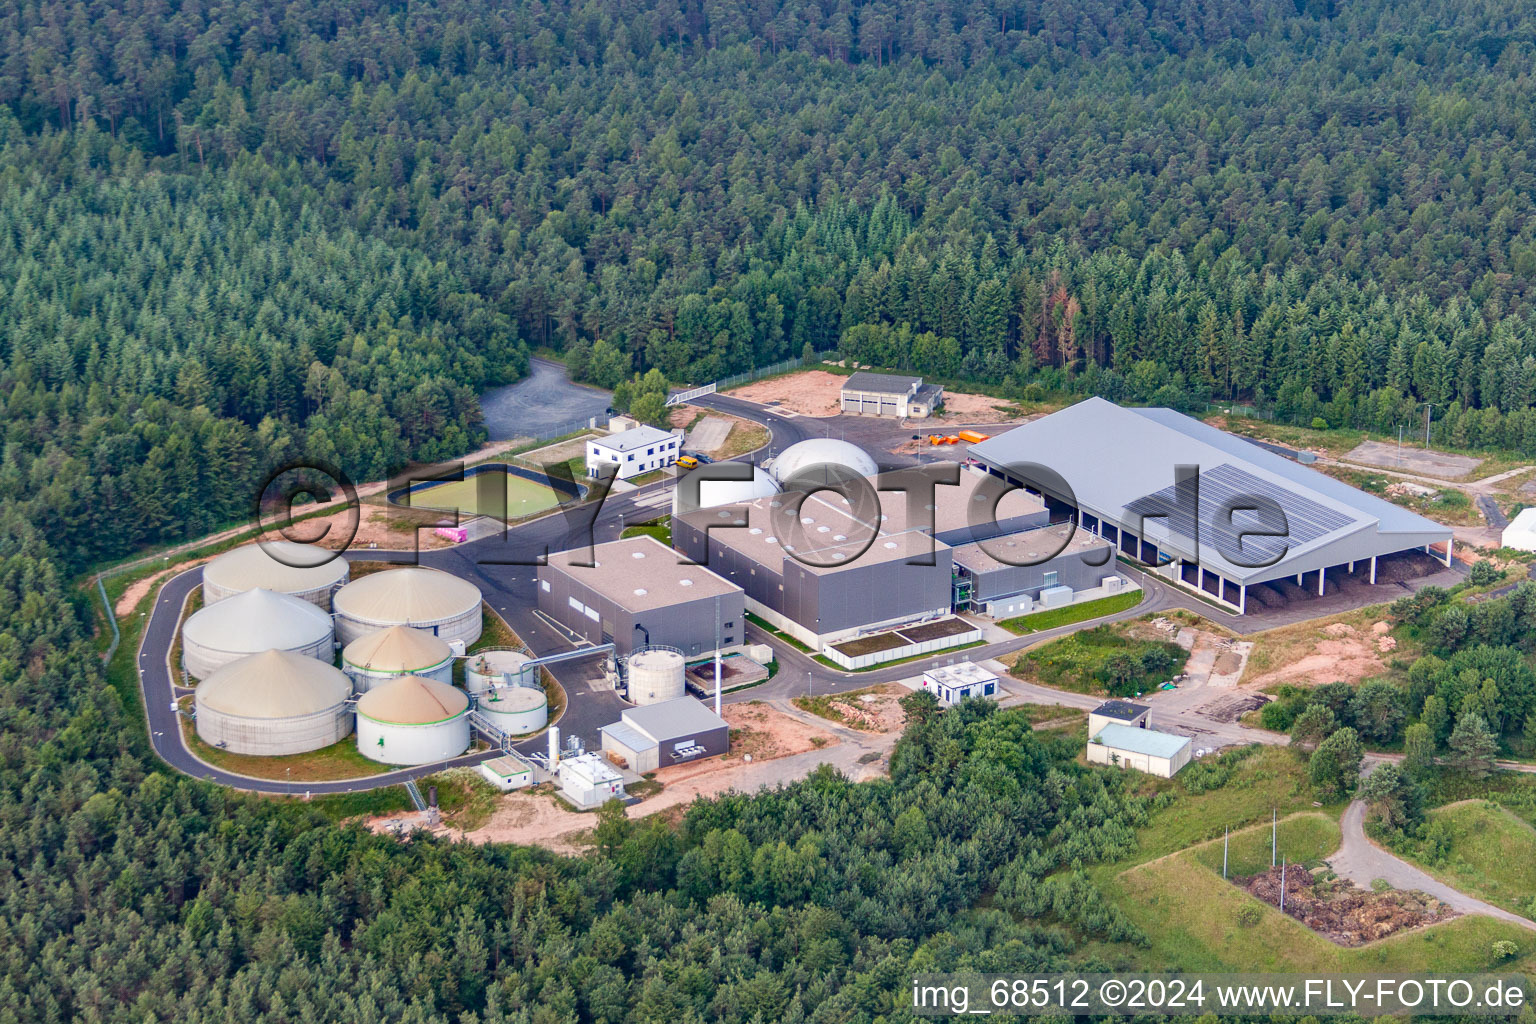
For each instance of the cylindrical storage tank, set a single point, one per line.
(432, 601)
(412, 720)
(249, 623)
(300, 570)
(276, 702)
(655, 675)
(385, 654)
(495, 667)
(515, 709)
(821, 452)
(713, 493)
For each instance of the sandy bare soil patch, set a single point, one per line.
(760, 731)
(1343, 656)
(960, 407)
(809, 393)
(1413, 460)
(137, 590)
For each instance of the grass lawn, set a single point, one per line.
(768, 627)
(1304, 838)
(744, 437)
(337, 761)
(661, 529)
(523, 496)
(1082, 662)
(1492, 855)
(1448, 505)
(1051, 618)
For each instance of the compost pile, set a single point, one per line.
(1342, 913)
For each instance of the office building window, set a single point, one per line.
(1052, 579)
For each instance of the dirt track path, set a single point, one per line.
(1362, 862)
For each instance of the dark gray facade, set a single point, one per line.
(871, 590)
(687, 625)
(990, 582)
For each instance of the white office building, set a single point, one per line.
(635, 451)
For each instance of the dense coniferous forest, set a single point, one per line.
(233, 231)
(236, 233)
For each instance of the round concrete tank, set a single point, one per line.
(249, 623)
(821, 451)
(724, 492)
(655, 675)
(517, 710)
(386, 654)
(497, 666)
(412, 720)
(271, 703)
(300, 570)
(432, 601)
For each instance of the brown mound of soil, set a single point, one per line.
(1340, 912)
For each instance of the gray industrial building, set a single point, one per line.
(1117, 470)
(639, 593)
(1007, 575)
(890, 394)
(657, 735)
(833, 571)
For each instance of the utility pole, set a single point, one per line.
(1399, 444)
(1274, 833)
(1226, 835)
(717, 654)
(1428, 408)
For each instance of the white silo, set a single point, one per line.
(713, 493)
(271, 703)
(249, 623)
(821, 451)
(301, 570)
(499, 666)
(412, 720)
(517, 710)
(376, 658)
(427, 599)
(656, 674)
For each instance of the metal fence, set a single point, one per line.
(782, 366)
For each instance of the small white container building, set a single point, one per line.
(1147, 750)
(249, 623)
(413, 720)
(588, 781)
(953, 683)
(387, 654)
(1520, 534)
(300, 570)
(432, 601)
(272, 703)
(634, 451)
(507, 772)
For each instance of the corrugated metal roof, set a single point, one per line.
(882, 383)
(1140, 741)
(634, 739)
(672, 718)
(414, 594)
(274, 684)
(1114, 458)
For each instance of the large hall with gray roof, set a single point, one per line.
(1238, 517)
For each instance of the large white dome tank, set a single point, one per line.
(428, 599)
(271, 703)
(656, 674)
(300, 570)
(821, 451)
(713, 493)
(412, 720)
(376, 658)
(249, 623)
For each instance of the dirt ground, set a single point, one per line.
(1341, 653)
(1413, 460)
(963, 408)
(1342, 913)
(137, 590)
(808, 393)
(388, 530)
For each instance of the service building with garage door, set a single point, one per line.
(671, 732)
(640, 593)
(890, 394)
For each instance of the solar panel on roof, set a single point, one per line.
(1226, 486)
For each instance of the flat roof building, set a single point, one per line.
(634, 451)
(657, 735)
(1220, 531)
(826, 570)
(638, 593)
(1147, 750)
(1007, 576)
(1119, 712)
(953, 683)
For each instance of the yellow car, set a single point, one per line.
(687, 462)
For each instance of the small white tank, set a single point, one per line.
(517, 710)
(655, 675)
(498, 666)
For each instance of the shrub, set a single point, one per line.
(1250, 915)
(1504, 949)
